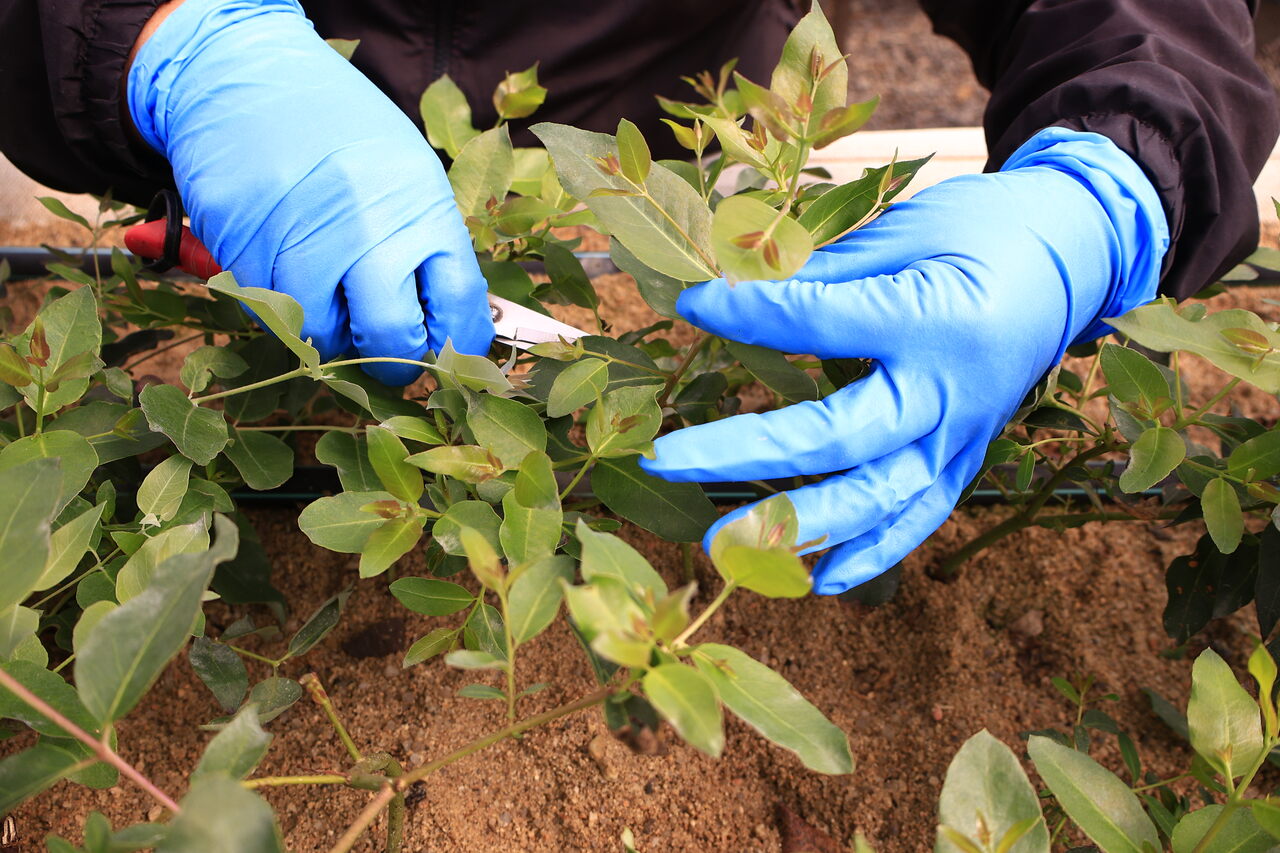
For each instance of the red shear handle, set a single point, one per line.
(147, 241)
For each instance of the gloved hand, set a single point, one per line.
(300, 176)
(964, 295)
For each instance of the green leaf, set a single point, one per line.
(1152, 458)
(350, 455)
(432, 597)
(475, 515)
(60, 210)
(164, 487)
(467, 462)
(199, 434)
(1223, 720)
(535, 484)
(519, 95)
(127, 650)
(388, 543)
(471, 659)
(1222, 514)
(439, 640)
(659, 291)
(580, 383)
(1267, 814)
(774, 371)
(221, 670)
(339, 523)
(687, 699)
(71, 326)
(263, 460)
(274, 696)
(221, 816)
(137, 572)
(235, 750)
(318, 625)
(1240, 834)
(633, 152)
(482, 171)
(75, 456)
(605, 555)
(839, 210)
(1131, 376)
(278, 311)
(527, 533)
(27, 509)
(1164, 327)
(752, 241)
(446, 115)
(669, 230)
(473, 372)
(774, 572)
(812, 45)
(508, 429)
(414, 429)
(1260, 454)
(678, 512)
(199, 368)
(771, 706)
(987, 791)
(50, 687)
(481, 691)
(604, 605)
(534, 597)
(13, 368)
(1099, 803)
(839, 122)
(624, 421)
(346, 48)
(387, 454)
(18, 626)
(27, 773)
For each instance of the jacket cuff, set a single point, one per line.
(93, 117)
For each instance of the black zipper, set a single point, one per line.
(443, 38)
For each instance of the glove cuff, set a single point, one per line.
(1132, 207)
(153, 81)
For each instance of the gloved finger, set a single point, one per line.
(865, 556)
(858, 423)
(847, 505)
(455, 294)
(386, 318)
(324, 310)
(830, 319)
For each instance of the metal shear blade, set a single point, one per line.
(521, 327)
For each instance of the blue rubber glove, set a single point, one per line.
(964, 295)
(300, 176)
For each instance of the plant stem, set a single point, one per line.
(509, 641)
(425, 770)
(681, 369)
(704, 615)
(280, 781)
(1023, 518)
(320, 696)
(686, 562)
(253, 655)
(155, 352)
(253, 386)
(366, 817)
(1168, 781)
(100, 748)
(577, 478)
(1213, 401)
(300, 428)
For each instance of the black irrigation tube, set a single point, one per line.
(310, 482)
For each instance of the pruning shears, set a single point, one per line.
(165, 242)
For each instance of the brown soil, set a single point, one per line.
(909, 681)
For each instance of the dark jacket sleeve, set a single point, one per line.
(61, 63)
(1172, 82)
